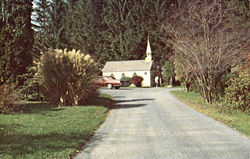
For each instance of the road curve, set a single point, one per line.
(149, 123)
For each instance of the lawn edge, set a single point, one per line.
(109, 108)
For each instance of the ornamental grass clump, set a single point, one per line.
(68, 77)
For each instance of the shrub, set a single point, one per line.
(68, 77)
(137, 81)
(31, 90)
(224, 83)
(125, 81)
(237, 93)
(8, 98)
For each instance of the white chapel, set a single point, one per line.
(143, 68)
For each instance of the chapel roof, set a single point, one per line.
(124, 66)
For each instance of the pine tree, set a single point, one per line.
(109, 30)
(16, 39)
(41, 23)
(128, 23)
(123, 32)
(83, 26)
(57, 22)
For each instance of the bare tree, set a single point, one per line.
(207, 41)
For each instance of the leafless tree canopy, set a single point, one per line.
(207, 41)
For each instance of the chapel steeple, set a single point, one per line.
(148, 52)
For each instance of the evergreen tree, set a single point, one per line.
(122, 34)
(41, 24)
(83, 26)
(57, 22)
(116, 30)
(128, 23)
(16, 39)
(108, 30)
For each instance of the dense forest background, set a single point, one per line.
(107, 30)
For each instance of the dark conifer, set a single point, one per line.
(16, 39)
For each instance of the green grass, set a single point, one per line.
(44, 131)
(236, 120)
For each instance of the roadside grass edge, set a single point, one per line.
(237, 120)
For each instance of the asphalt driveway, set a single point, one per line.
(149, 123)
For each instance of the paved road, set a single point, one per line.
(150, 123)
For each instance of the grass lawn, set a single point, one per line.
(43, 131)
(236, 120)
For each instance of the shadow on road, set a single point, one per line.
(118, 104)
(124, 106)
(133, 100)
(118, 97)
(121, 104)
